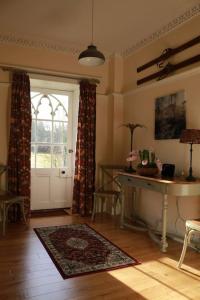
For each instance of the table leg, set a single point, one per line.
(136, 200)
(122, 208)
(164, 243)
(102, 177)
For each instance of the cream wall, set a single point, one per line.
(119, 101)
(4, 116)
(174, 39)
(139, 107)
(4, 113)
(54, 61)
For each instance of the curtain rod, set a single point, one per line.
(48, 73)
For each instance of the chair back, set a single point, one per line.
(108, 180)
(3, 168)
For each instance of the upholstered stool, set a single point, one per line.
(192, 226)
(7, 200)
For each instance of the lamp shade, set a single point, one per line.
(91, 57)
(190, 136)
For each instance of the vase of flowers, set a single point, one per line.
(148, 165)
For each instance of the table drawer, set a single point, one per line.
(143, 183)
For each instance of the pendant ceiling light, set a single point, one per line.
(91, 56)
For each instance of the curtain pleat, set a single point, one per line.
(84, 179)
(19, 169)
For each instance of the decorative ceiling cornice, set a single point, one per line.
(186, 16)
(25, 42)
(49, 45)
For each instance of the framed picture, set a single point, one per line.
(170, 116)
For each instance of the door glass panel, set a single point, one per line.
(60, 114)
(49, 130)
(43, 156)
(33, 112)
(65, 127)
(44, 131)
(63, 99)
(57, 132)
(33, 156)
(33, 132)
(44, 109)
(57, 157)
(35, 98)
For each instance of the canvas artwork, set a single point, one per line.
(170, 116)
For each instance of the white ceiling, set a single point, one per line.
(120, 26)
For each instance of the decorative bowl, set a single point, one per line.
(147, 171)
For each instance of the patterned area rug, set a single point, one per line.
(77, 249)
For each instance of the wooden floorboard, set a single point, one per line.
(27, 272)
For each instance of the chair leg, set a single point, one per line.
(4, 219)
(102, 204)
(94, 208)
(6, 208)
(22, 211)
(185, 244)
(115, 204)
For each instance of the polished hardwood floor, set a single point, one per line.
(27, 272)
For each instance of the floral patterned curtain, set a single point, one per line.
(84, 180)
(20, 139)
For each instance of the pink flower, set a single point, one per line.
(144, 162)
(133, 156)
(129, 159)
(159, 164)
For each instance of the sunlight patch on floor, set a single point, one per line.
(190, 271)
(153, 280)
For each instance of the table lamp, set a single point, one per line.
(190, 136)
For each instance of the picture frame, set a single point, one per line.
(170, 115)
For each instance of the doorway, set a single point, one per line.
(53, 140)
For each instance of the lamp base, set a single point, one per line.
(129, 169)
(190, 178)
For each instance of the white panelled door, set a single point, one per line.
(52, 151)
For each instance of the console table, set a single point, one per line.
(175, 187)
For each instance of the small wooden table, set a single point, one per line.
(175, 187)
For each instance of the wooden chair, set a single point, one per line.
(192, 226)
(8, 199)
(108, 191)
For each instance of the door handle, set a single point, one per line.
(70, 151)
